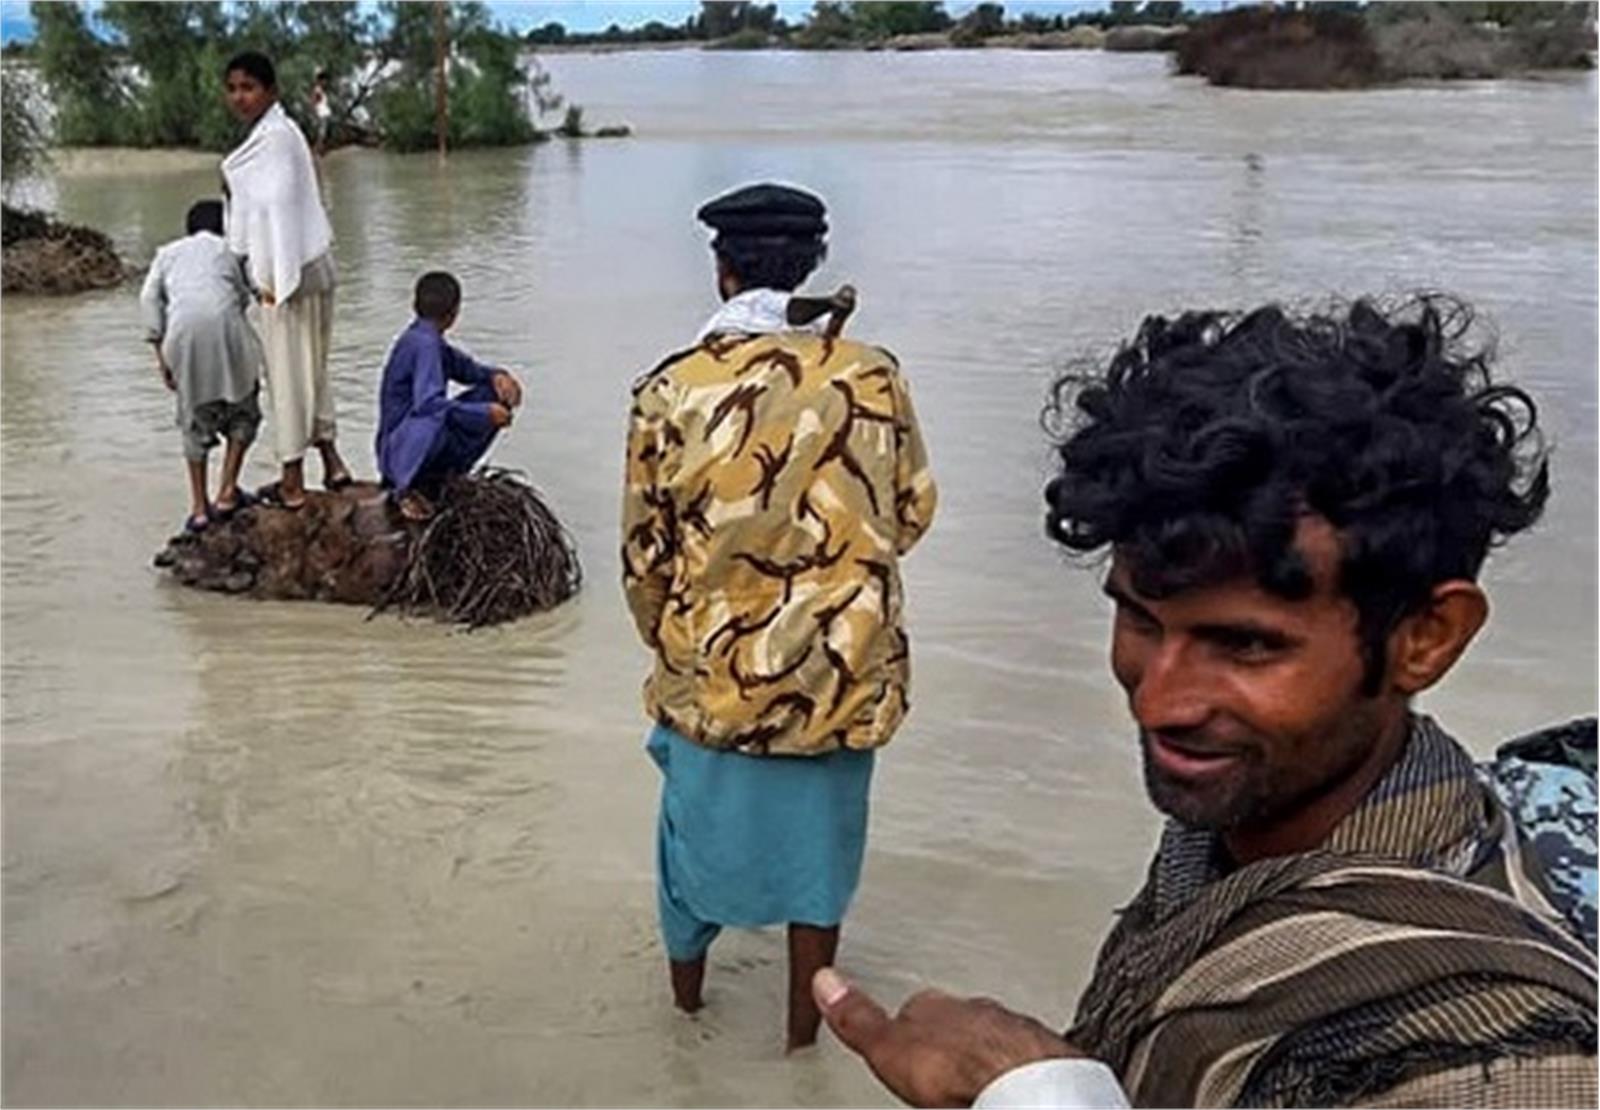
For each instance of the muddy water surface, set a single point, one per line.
(276, 854)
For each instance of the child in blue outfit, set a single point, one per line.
(424, 434)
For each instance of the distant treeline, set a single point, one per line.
(150, 75)
(833, 25)
(1305, 44)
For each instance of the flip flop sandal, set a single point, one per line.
(194, 525)
(272, 494)
(415, 508)
(334, 485)
(224, 513)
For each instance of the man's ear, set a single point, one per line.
(1427, 643)
(728, 285)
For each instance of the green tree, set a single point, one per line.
(488, 87)
(884, 20)
(983, 22)
(158, 82)
(178, 101)
(79, 70)
(551, 34)
(1162, 12)
(829, 25)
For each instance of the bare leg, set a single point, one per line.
(198, 503)
(334, 471)
(811, 948)
(292, 488)
(228, 484)
(687, 977)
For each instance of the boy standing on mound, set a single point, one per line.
(193, 305)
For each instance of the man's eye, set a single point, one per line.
(1249, 645)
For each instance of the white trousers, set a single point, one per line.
(295, 338)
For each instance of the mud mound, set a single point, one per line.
(42, 255)
(492, 552)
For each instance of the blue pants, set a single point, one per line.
(458, 449)
(746, 840)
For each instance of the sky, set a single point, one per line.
(597, 15)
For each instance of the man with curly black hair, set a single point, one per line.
(1343, 909)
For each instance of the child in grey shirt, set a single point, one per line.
(193, 305)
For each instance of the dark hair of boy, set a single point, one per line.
(255, 64)
(204, 215)
(438, 296)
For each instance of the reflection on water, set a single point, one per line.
(274, 853)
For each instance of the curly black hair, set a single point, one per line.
(770, 262)
(1197, 449)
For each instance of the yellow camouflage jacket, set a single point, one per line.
(773, 482)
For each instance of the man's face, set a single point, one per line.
(1249, 706)
(247, 97)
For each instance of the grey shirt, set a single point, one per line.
(193, 305)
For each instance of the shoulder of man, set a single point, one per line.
(869, 351)
(660, 369)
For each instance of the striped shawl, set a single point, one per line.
(1416, 943)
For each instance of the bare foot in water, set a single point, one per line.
(687, 977)
(811, 948)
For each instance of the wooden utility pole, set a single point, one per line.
(441, 55)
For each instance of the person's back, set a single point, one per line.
(201, 281)
(798, 478)
(396, 390)
(774, 478)
(193, 309)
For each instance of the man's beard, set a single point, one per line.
(1243, 797)
(1259, 790)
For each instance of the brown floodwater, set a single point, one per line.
(279, 854)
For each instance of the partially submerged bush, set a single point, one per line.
(1434, 44)
(1335, 49)
(1267, 49)
(493, 552)
(1141, 38)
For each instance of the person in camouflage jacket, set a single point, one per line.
(774, 479)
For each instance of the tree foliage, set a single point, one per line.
(91, 98)
(151, 73)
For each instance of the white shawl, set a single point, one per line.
(275, 215)
(757, 312)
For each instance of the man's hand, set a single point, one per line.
(938, 1050)
(499, 415)
(167, 378)
(507, 388)
(268, 299)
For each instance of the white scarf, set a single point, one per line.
(756, 312)
(275, 214)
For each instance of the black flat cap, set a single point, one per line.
(766, 211)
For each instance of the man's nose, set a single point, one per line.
(1172, 693)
